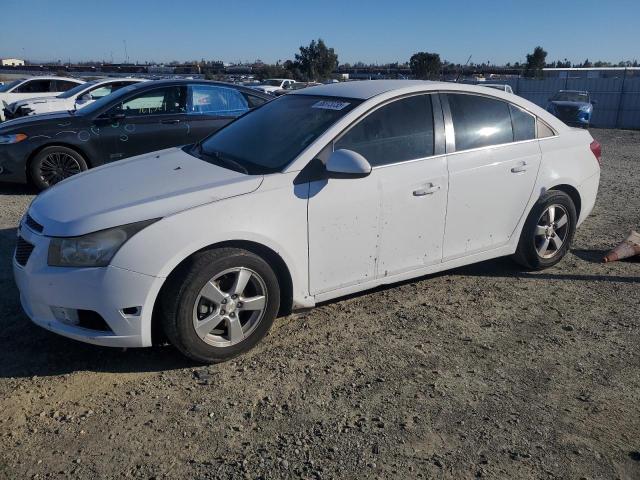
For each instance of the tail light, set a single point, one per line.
(596, 149)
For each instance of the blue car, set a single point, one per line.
(573, 107)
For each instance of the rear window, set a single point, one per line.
(479, 121)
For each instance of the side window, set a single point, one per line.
(35, 86)
(402, 130)
(479, 121)
(160, 101)
(524, 124)
(254, 101)
(63, 85)
(544, 130)
(100, 92)
(216, 100)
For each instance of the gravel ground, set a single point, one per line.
(484, 371)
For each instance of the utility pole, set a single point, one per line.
(126, 55)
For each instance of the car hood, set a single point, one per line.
(61, 119)
(564, 103)
(141, 188)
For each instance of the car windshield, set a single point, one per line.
(106, 100)
(72, 91)
(8, 86)
(571, 97)
(272, 136)
(272, 83)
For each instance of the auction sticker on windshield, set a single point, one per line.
(330, 105)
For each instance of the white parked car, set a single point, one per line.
(271, 85)
(318, 194)
(73, 99)
(34, 87)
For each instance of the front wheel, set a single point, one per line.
(547, 232)
(219, 304)
(53, 164)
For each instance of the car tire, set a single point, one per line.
(548, 231)
(205, 312)
(54, 164)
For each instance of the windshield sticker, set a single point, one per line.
(330, 105)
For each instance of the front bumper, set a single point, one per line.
(106, 291)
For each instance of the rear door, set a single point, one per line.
(151, 120)
(492, 171)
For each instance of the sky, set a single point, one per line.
(368, 31)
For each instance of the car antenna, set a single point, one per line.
(460, 72)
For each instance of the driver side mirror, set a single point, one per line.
(347, 164)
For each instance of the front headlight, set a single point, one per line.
(94, 249)
(13, 138)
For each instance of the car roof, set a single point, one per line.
(366, 89)
(181, 81)
(574, 91)
(52, 77)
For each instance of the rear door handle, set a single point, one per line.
(428, 190)
(520, 168)
(172, 121)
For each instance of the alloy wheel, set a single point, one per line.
(57, 166)
(229, 307)
(551, 231)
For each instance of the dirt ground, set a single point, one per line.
(484, 371)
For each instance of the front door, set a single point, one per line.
(150, 121)
(491, 173)
(392, 220)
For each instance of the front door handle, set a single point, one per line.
(428, 190)
(172, 121)
(520, 168)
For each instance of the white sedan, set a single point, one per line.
(34, 87)
(78, 97)
(272, 85)
(318, 194)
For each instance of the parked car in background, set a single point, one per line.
(136, 119)
(498, 86)
(34, 87)
(293, 87)
(271, 85)
(318, 194)
(573, 107)
(73, 99)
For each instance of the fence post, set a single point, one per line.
(624, 78)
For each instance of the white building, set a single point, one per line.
(11, 62)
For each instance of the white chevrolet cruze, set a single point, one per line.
(321, 193)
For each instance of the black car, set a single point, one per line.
(141, 118)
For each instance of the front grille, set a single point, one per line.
(23, 251)
(33, 225)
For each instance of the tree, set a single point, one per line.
(535, 63)
(425, 65)
(317, 61)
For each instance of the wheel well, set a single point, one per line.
(57, 144)
(271, 257)
(573, 193)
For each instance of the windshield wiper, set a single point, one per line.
(218, 156)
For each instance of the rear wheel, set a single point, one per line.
(53, 164)
(220, 304)
(547, 232)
